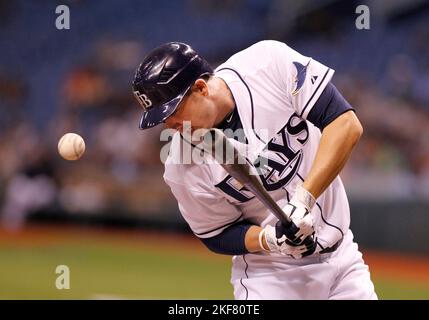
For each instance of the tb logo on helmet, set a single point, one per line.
(144, 101)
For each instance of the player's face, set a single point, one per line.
(195, 108)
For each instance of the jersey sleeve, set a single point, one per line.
(303, 78)
(206, 211)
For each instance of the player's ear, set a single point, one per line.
(200, 86)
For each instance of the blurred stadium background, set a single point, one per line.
(110, 217)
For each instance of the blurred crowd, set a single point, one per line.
(391, 160)
(121, 170)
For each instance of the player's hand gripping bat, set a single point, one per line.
(239, 168)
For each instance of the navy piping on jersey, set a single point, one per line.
(329, 224)
(247, 277)
(317, 89)
(287, 194)
(192, 145)
(321, 213)
(251, 101)
(318, 243)
(226, 225)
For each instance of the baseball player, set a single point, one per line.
(293, 120)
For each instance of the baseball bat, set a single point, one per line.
(238, 167)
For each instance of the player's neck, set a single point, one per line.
(223, 99)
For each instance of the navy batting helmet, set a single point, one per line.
(163, 78)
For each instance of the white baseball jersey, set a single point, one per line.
(273, 102)
(274, 88)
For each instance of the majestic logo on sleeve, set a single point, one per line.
(282, 157)
(314, 79)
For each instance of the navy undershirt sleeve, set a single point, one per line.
(230, 241)
(328, 107)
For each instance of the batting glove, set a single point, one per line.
(283, 245)
(298, 210)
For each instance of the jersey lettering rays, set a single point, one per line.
(278, 163)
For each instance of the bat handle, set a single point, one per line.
(291, 230)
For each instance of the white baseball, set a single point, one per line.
(71, 146)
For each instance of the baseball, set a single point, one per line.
(71, 146)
